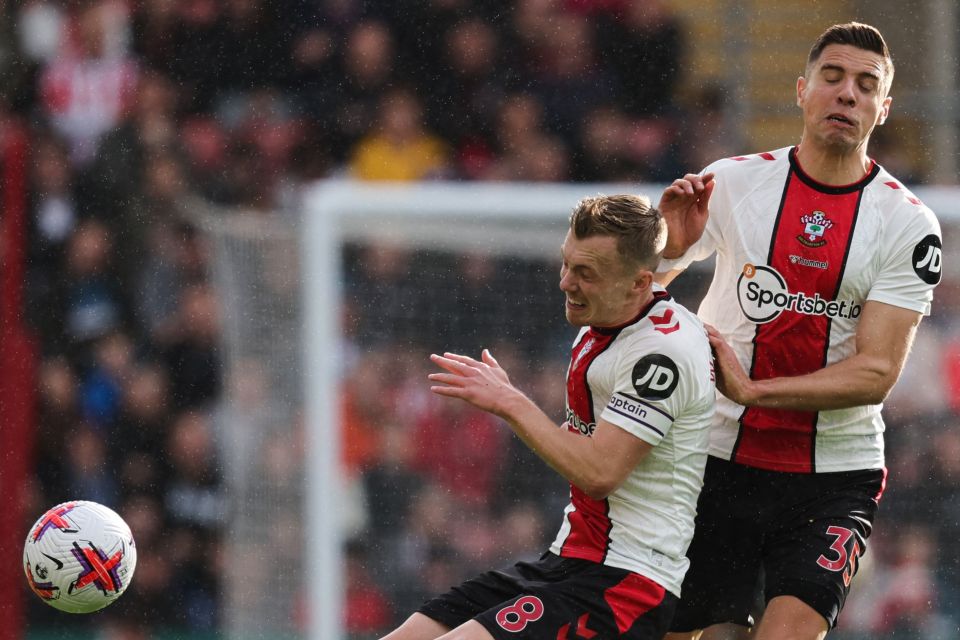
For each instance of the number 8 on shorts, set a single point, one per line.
(515, 617)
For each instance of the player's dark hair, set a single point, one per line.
(856, 34)
(639, 228)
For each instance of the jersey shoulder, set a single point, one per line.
(741, 176)
(671, 329)
(764, 162)
(668, 351)
(899, 205)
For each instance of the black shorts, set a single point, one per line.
(558, 598)
(804, 533)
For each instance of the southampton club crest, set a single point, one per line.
(814, 226)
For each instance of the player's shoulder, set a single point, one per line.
(669, 327)
(752, 163)
(895, 201)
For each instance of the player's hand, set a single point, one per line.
(685, 208)
(483, 383)
(732, 380)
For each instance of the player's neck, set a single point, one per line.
(629, 314)
(833, 168)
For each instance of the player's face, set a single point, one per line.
(843, 98)
(599, 290)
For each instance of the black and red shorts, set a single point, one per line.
(790, 534)
(558, 598)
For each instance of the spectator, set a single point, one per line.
(604, 147)
(366, 72)
(191, 349)
(54, 215)
(462, 451)
(367, 607)
(87, 88)
(642, 45)
(569, 81)
(58, 416)
(402, 148)
(101, 385)
(86, 466)
(465, 94)
(90, 302)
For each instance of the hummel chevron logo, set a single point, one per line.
(581, 632)
(665, 324)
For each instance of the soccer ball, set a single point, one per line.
(79, 556)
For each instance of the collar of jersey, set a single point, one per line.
(829, 188)
(657, 297)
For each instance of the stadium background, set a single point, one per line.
(114, 114)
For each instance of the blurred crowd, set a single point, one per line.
(135, 106)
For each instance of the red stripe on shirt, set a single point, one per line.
(589, 521)
(794, 343)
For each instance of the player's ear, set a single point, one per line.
(801, 88)
(884, 110)
(643, 280)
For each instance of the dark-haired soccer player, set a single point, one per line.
(825, 266)
(640, 397)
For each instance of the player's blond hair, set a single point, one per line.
(639, 228)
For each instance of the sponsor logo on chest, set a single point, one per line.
(763, 295)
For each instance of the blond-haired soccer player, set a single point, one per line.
(640, 396)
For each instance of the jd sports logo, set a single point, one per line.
(655, 377)
(927, 259)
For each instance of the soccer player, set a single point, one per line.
(640, 397)
(825, 264)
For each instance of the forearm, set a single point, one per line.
(858, 380)
(575, 457)
(666, 277)
(596, 464)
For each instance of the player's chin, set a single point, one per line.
(576, 316)
(843, 141)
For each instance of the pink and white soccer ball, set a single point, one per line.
(79, 556)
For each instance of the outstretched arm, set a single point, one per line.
(883, 341)
(597, 465)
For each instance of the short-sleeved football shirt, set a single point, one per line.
(652, 377)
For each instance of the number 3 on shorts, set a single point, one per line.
(846, 562)
(515, 617)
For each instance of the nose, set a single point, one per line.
(566, 282)
(847, 95)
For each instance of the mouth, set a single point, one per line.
(840, 119)
(575, 305)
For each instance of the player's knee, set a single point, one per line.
(418, 627)
(470, 630)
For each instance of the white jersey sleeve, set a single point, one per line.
(912, 251)
(657, 381)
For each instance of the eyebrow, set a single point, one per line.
(837, 67)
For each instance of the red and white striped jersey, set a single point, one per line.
(652, 377)
(796, 261)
